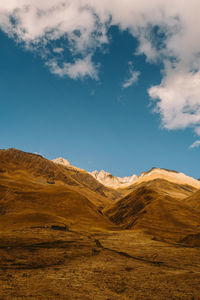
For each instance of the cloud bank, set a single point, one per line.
(167, 33)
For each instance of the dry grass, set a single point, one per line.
(55, 242)
(41, 263)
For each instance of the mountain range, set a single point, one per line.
(37, 189)
(55, 206)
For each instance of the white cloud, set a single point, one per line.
(133, 77)
(179, 99)
(196, 144)
(83, 25)
(37, 24)
(79, 69)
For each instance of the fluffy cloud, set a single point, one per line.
(79, 69)
(179, 99)
(167, 33)
(196, 144)
(38, 24)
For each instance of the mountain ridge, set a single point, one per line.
(109, 180)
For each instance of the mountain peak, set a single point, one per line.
(169, 175)
(108, 179)
(62, 161)
(155, 169)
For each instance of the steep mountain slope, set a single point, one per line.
(33, 189)
(47, 205)
(157, 207)
(88, 181)
(31, 167)
(193, 200)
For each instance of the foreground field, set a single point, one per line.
(44, 263)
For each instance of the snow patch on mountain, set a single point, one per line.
(109, 180)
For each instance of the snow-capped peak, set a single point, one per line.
(112, 181)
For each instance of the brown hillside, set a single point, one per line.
(193, 200)
(158, 208)
(88, 181)
(19, 166)
(166, 187)
(35, 190)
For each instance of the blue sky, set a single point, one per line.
(95, 115)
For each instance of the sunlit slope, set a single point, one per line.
(88, 181)
(35, 190)
(153, 207)
(167, 187)
(169, 175)
(27, 167)
(48, 205)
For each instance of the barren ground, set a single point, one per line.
(42, 263)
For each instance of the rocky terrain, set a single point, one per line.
(112, 181)
(66, 234)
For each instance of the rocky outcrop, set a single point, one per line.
(62, 161)
(112, 181)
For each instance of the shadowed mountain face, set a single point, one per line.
(193, 200)
(64, 235)
(159, 207)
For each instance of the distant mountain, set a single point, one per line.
(34, 190)
(105, 178)
(113, 181)
(109, 180)
(169, 175)
(87, 180)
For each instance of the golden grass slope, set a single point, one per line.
(35, 190)
(158, 208)
(193, 200)
(25, 167)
